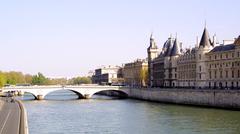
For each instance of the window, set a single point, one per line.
(215, 57)
(232, 74)
(226, 56)
(215, 74)
(226, 74)
(200, 76)
(221, 56)
(232, 55)
(220, 74)
(199, 56)
(238, 74)
(200, 68)
(210, 75)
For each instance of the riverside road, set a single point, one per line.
(10, 117)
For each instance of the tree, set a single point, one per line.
(28, 78)
(80, 80)
(57, 81)
(144, 76)
(2, 80)
(39, 79)
(14, 77)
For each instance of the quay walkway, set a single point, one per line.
(13, 117)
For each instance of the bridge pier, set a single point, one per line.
(20, 93)
(39, 97)
(86, 96)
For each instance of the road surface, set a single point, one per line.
(10, 115)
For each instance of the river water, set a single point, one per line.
(62, 113)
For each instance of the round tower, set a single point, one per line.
(204, 47)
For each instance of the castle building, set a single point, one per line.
(152, 54)
(163, 66)
(204, 66)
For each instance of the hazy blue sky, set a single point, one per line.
(64, 38)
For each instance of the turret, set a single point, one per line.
(205, 40)
(205, 46)
(152, 49)
(152, 54)
(176, 49)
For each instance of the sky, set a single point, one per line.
(67, 38)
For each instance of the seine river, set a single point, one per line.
(62, 113)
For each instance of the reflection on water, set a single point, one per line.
(63, 113)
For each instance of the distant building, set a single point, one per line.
(207, 65)
(136, 73)
(106, 75)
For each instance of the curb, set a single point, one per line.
(23, 129)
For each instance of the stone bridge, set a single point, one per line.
(83, 91)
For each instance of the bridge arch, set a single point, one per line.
(33, 94)
(80, 95)
(110, 92)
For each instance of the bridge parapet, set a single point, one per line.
(83, 91)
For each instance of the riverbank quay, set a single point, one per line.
(13, 117)
(226, 99)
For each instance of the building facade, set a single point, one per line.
(136, 73)
(106, 75)
(207, 65)
(163, 64)
(223, 66)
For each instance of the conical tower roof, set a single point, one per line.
(205, 40)
(152, 43)
(168, 46)
(176, 48)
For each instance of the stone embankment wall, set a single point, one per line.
(210, 98)
(23, 128)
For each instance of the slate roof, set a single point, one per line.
(205, 40)
(167, 47)
(176, 48)
(223, 48)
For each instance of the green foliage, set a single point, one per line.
(80, 80)
(14, 78)
(2, 80)
(57, 81)
(28, 78)
(144, 76)
(39, 79)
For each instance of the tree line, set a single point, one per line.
(18, 78)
